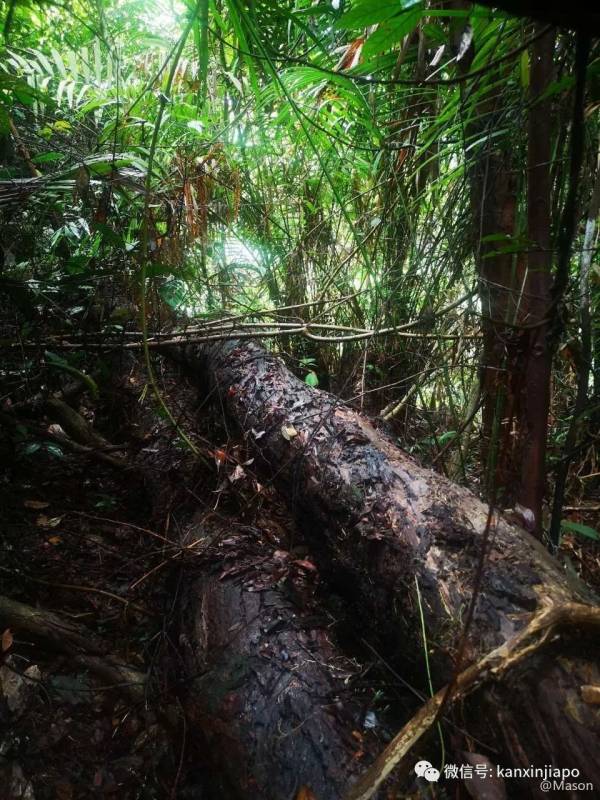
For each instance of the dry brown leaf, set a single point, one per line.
(47, 522)
(351, 55)
(7, 640)
(36, 504)
(304, 793)
(237, 473)
(220, 457)
(590, 694)
(304, 563)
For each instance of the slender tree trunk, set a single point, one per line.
(493, 186)
(494, 190)
(536, 300)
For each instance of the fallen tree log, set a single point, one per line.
(381, 522)
(267, 688)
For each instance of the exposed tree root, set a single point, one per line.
(543, 627)
(86, 649)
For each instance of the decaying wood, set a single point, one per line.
(83, 438)
(82, 645)
(491, 667)
(267, 687)
(377, 520)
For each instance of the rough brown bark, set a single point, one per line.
(270, 689)
(380, 521)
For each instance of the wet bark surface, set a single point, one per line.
(270, 692)
(379, 521)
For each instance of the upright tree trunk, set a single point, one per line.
(583, 363)
(536, 300)
(493, 188)
(494, 197)
(515, 299)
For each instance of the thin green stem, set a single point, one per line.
(163, 100)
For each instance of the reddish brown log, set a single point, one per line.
(536, 291)
(380, 520)
(270, 691)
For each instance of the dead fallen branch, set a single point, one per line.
(492, 667)
(225, 328)
(84, 647)
(77, 435)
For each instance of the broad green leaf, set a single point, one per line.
(54, 358)
(582, 530)
(369, 12)
(312, 379)
(54, 450)
(95, 103)
(446, 437)
(59, 62)
(524, 68)
(391, 31)
(45, 158)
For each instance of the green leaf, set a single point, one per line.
(582, 530)
(94, 104)
(446, 437)
(369, 12)
(54, 450)
(390, 32)
(59, 61)
(45, 158)
(524, 69)
(312, 379)
(108, 235)
(55, 359)
(432, 441)
(174, 292)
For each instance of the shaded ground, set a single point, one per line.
(77, 539)
(100, 546)
(93, 544)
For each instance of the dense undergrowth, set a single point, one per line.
(353, 183)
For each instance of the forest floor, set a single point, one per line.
(98, 546)
(78, 539)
